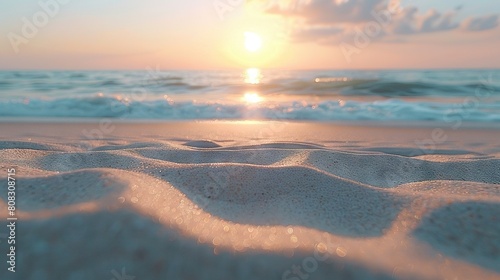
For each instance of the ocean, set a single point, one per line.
(450, 96)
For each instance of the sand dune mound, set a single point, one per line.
(160, 209)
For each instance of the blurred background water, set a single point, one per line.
(323, 95)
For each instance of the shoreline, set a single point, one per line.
(396, 124)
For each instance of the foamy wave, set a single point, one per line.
(101, 106)
(468, 95)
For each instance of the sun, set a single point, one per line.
(253, 42)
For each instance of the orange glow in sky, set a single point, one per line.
(244, 34)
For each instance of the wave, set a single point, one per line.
(468, 95)
(381, 84)
(371, 87)
(102, 106)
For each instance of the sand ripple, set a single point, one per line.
(207, 210)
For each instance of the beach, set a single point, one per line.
(242, 140)
(251, 200)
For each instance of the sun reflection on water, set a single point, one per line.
(252, 97)
(253, 76)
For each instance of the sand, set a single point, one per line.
(252, 200)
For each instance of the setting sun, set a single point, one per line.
(253, 42)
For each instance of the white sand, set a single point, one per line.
(217, 200)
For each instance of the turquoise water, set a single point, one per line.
(396, 95)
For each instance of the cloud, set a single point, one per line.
(411, 22)
(315, 33)
(480, 23)
(403, 24)
(435, 22)
(329, 11)
(335, 20)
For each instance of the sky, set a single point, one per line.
(210, 34)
